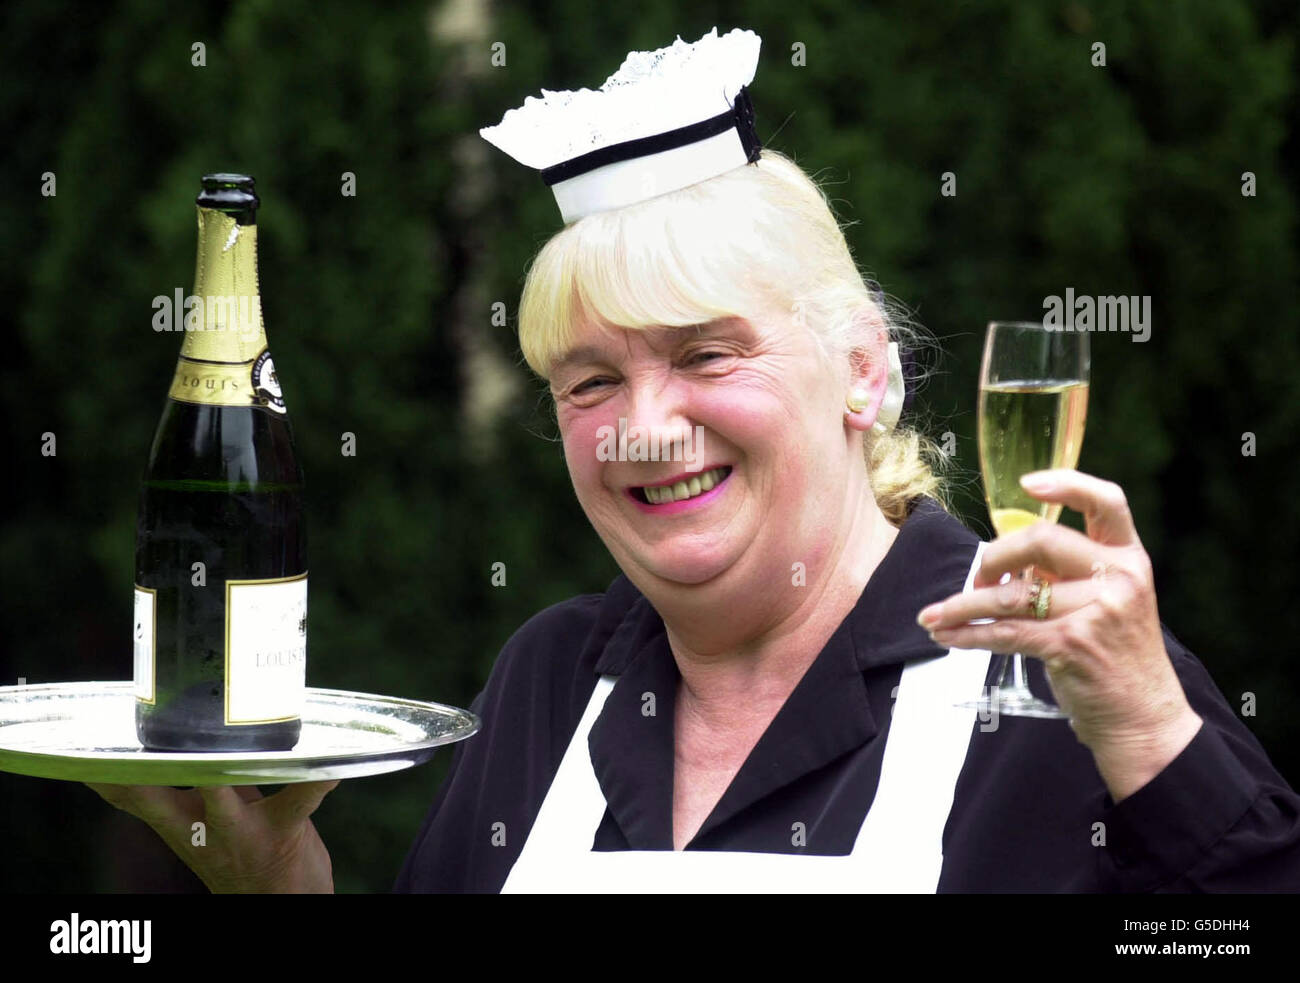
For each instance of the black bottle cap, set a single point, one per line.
(230, 193)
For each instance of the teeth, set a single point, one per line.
(697, 485)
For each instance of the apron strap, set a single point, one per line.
(563, 823)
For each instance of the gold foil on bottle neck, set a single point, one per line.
(224, 322)
(224, 359)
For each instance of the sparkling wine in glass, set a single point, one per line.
(1033, 401)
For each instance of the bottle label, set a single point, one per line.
(265, 384)
(144, 644)
(251, 383)
(266, 649)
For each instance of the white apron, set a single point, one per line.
(898, 850)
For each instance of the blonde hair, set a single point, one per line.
(760, 235)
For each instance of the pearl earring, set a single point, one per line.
(857, 401)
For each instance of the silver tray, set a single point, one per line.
(85, 732)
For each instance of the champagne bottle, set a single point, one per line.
(221, 563)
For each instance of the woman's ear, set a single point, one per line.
(868, 375)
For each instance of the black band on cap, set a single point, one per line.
(740, 116)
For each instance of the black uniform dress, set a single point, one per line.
(1030, 811)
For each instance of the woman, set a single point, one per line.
(752, 709)
(764, 698)
(757, 637)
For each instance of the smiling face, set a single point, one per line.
(768, 407)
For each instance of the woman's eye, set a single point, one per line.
(585, 386)
(700, 356)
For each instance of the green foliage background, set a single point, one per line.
(1117, 180)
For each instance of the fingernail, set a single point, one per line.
(928, 616)
(1036, 482)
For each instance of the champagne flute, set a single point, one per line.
(1033, 400)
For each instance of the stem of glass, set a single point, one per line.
(1019, 687)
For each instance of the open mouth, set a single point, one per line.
(680, 491)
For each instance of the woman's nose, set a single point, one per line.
(661, 413)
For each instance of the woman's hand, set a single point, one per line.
(253, 844)
(1101, 642)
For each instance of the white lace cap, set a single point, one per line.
(665, 120)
